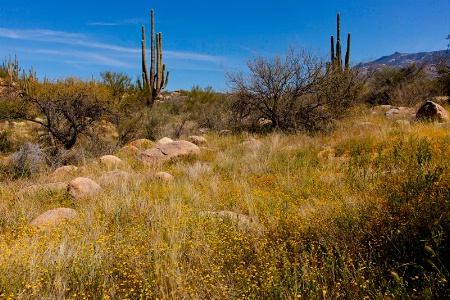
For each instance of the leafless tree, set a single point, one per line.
(293, 92)
(273, 87)
(66, 116)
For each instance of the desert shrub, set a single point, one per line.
(401, 86)
(207, 108)
(404, 240)
(129, 116)
(443, 79)
(160, 122)
(416, 226)
(118, 84)
(273, 87)
(294, 92)
(6, 144)
(24, 163)
(68, 107)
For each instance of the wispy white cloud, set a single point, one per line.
(193, 56)
(44, 35)
(78, 39)
(102, 24)
(119, 23)
(84, 57)
(81, 51)
(39, 34)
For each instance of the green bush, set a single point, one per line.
(406, 86)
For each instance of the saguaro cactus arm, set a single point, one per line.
(332, 49)
(145, 77)
(338, 40)
(347, 53)
(152, 53)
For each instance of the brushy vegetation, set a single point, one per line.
(344, 215)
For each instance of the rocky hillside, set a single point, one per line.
(403, 59)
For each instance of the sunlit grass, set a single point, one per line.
(367, 218)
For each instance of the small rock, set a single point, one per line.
(110, 160)
(380, 109)
(64, 171)
(54, 217)
(82, 187)
(130, 149)
(53, 186)
(164, 140)
(142, 144)
(197, 140)
(164, 176)
(252, 143)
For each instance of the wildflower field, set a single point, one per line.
(352, 214)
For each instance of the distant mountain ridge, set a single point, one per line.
(400, 60)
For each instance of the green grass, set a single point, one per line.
(366, 219)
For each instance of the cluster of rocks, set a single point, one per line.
(430, 111)
(148, 152)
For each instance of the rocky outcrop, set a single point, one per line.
(432, 111)
(168, 151)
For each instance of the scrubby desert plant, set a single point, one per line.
(294, 92)
(25, 162)
(207, 108)
(406, 86)
(66, 108)
(118, 83)
(443, 80)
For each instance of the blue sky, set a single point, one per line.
(204, 39)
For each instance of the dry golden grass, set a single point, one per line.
(348, 215)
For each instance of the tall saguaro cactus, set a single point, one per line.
(157, 79)
(336, 55)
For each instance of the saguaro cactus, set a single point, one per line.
(155, 80)
(336, 55)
